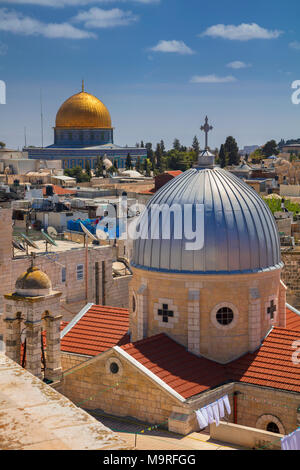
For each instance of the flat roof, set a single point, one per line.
(62, 245)
(34, 416)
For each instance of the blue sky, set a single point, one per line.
(159, 65)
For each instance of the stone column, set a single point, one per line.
(53, 370)
(282, 305)
(194, 321)
(254, 319)
(33, 347)
(142, 313)
(13, 337)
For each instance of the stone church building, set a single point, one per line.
(202, 323)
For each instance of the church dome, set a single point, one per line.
(83, 111)
(32, 283)
(240, 234)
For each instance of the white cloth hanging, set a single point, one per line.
(221, 407)
(227, 404)
(292, 441)
(210, 414)
(216, 412)
(205, 415)
(201, 419)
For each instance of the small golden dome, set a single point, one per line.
(33, 282)
(83, 111)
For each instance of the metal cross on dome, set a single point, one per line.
(165, 313)
(272, 309)
(206, 128)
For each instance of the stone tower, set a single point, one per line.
(33, 308)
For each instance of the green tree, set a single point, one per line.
(99, 167)
(176, 145)
(256, 156)
(232, 150)
(162, 147)
(88, 169)
(222, 157)
(138, 164)
(2, 145)
(128, 163)
(196, 147)
(142, 144)
(147, 167)
(158, 158)
(77, 173)
(270, 148)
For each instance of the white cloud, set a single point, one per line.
(238, 64)
(295, 45)
(178, 47)
(15, 22)
(99, 18)
(243, 32)
(212, 79)
(68, 3)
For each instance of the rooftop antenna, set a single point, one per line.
(25, 138)
(42, 124)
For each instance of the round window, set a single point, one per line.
(114, 368)
(272, 427)
(224, 316)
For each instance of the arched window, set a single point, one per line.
(225, 316)
(272, 427)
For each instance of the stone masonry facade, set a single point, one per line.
(257, 302)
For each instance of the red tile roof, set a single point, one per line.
(189, 375)
(59, 190)
(174, 173)
(99, 329)
(272, 365)
(292, 320)
(184, 372)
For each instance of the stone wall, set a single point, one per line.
(246, 437)
(194, 301)
(127, 393)
(68, 361)
(257, 406)
(119, 294)
(291, 276)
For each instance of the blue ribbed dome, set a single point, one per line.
(240, 234)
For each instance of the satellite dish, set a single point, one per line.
(29, 242)
(17, 245)
(88, 233)
(101, 234)
(52, 232)
(48, 239)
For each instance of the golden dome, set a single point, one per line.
(83, 111)
(33, 282)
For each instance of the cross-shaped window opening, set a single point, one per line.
(165, 313)
(272, 309)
